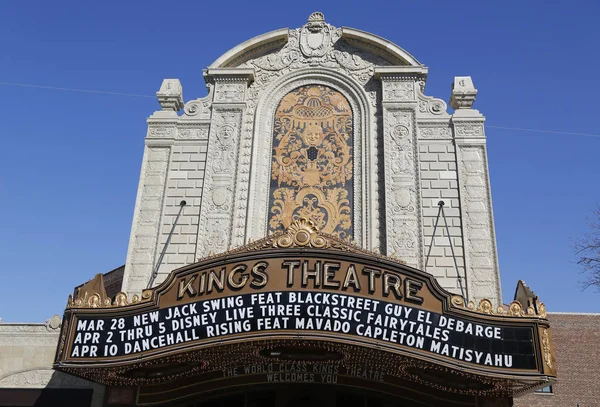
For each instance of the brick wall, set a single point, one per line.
(185, 181)
(576, 340)
(439, 182)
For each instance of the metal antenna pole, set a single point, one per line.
(462, 290)
(162, 254)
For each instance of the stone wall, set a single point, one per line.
(26, 356)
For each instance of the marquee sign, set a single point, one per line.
(307, 298)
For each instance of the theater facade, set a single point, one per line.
(317, 231)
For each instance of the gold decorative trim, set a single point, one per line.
(121, 300)
(458, 301)
(303, 233)
(485, 306)
(514, 309)
(300, 233)
(63, 338)
(542, 310)
(546, 348)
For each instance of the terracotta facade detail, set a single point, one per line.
(312, 165)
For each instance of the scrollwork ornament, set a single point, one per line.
(485, 306)
(63, 338)
(546, 349)
(458, 301)
(192, 109)
(121, 299)
(515, 309)
(542, 310)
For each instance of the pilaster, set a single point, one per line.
(148, 212)
(225, 190)
(483, 278)
(401, 164)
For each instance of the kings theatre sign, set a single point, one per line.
(303, 307)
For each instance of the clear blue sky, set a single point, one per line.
(70, 161)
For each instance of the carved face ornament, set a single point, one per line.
(313, 135)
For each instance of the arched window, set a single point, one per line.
(312, 162)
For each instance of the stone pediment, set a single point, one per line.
(317, 44)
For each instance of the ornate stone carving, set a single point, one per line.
(480, 248)
(220, 199)
(404, 199)
(157, 131)
(469, 130)
(316, 44)
(430, 107)
(283, 66)
(315, 36)
(437, 132)
(53, 324)
(398, 91)
(216, 211)
(401, 179)
(229, 92)
(193, 133)
(199, 108)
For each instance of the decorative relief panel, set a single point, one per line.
(198, 133)
(230, 92)
(435, 131)
(316, 44)
(216, 209)
(401, 189)
(398, 91)
(159, 131)
(470, 130)
(480, 248)
(312, 164)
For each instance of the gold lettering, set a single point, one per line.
(291, 266)
(329, 270)
(236, 285)
(394, 281)
(411, 288)
(202, 286)
(351, 278)
(259, 271)
(315, 273)
(216, 279)
(373, 273)
(186, 287)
